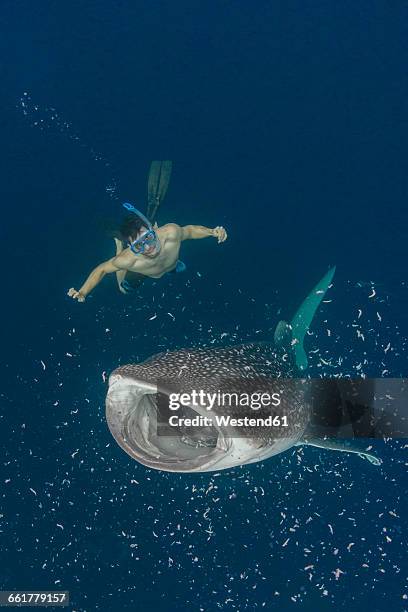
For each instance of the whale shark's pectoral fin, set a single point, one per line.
(343, 446)
(292, 335)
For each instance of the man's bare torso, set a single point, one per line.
(159, 264)
(156, 260)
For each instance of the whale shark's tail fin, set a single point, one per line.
(293, 334)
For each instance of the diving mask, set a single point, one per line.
(147, 240)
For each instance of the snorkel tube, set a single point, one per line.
(132, 209)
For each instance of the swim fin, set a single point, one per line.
(295, 332)
(157, 184)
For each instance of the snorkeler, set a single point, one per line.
(144, 250)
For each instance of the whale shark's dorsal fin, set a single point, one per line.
(304, 316)
(283, 335)
(294, 333)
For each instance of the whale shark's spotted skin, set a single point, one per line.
(132, 406)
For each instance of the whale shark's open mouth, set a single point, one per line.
(136, 420)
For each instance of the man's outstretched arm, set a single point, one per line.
(194, 232)
(93, 279)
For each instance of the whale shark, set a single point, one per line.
(138, 400)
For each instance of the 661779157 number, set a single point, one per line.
(34, 598)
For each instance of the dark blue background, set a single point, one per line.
(287, 123)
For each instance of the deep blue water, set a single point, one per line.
(287, 123)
